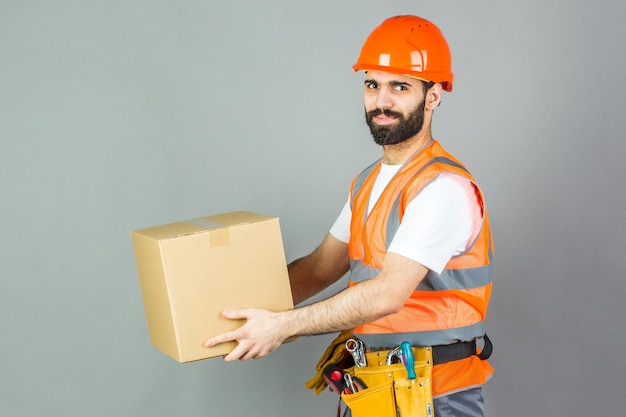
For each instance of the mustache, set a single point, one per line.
(385, 112)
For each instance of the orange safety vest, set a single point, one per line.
(445, 308)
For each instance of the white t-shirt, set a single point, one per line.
(439, 223)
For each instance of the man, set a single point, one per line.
(414, 234)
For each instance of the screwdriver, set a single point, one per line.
(408, 359)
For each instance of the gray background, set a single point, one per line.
(118, 115)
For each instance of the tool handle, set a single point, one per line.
(408, 359)
(334, 377)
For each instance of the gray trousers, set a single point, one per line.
(468, 403)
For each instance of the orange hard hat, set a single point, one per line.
(408, 45)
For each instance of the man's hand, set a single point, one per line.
(263, 332)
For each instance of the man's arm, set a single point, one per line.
(324, 266)
(362, 303)
(385, 294)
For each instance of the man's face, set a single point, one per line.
(394, 107)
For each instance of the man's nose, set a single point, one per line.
(383, 99)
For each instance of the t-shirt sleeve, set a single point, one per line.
(439, 222)
(341, 228)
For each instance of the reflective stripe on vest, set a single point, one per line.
(445, 308)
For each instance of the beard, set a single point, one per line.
(406, 128)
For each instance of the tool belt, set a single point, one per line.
(389, 392)
(385, 390)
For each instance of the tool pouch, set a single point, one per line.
(389, 392)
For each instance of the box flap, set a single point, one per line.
(200, 225)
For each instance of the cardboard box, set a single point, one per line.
(190, 271)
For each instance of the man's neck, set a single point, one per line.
(399, 153)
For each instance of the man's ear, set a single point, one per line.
(433, 97)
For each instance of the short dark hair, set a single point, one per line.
(426, 85)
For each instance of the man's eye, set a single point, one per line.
(400, 88)
(371, 86)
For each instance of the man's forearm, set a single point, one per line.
(324, 266)
(352, 307)
(362, 303)
(303, 285)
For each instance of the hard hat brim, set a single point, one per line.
(445, 80)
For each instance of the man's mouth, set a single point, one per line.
(384, 117)
(384, 120)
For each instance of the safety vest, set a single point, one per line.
(445, 308)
